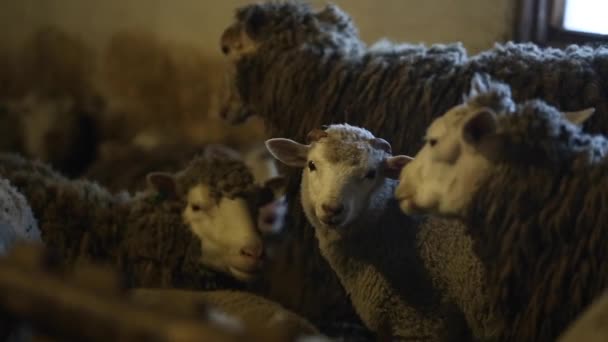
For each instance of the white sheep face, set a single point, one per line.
(457, 157)
(447, 170)
(338, 177)
(230, 240)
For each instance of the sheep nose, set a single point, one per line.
(225, 49)
(403, 191)
(333, 209)
(253, 251)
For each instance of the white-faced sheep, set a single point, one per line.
(529, 184)
(184, 225)
(415, 278)
(136, 162)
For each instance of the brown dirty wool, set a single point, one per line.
(309, 71)
(539, 220)
(143, 236)
(312, 69)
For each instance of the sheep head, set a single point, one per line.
(281, 27)
(343, 167)
(465, 145)
(221, 206)
(285, 25)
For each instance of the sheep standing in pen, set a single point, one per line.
(136, 161)
(530, 185)
(17, 221)
(285, 54)
(190, 229)
(416, 278)
(17, 225)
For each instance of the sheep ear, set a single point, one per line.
(255, 20)
(481, 125)
(579, 117)
(394, 164)
(288, 152)
(221, 151)
(278, 186)
(164, 183)
(382, 144)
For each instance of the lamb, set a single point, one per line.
(417, 278)
(174, 234)
(522, 177)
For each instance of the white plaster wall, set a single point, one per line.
(477, 23)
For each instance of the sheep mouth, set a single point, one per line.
(332, 222)
(245, 274)
(409, 206)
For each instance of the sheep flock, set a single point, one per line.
(305, 181)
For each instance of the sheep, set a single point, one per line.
(136, 161)
(521, 176)
(246, 307)
(174, 234)
(286, 53)
(17, 225)
(416, 277)
(17, 221)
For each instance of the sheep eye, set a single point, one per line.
(371, 174)
(311, 166)
(432, 142)
(196, 207)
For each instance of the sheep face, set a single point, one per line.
(342, 169)
(451, 164)
(462, 148)
(230, 239)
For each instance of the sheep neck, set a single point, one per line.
(535, 230)
(381, 268)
